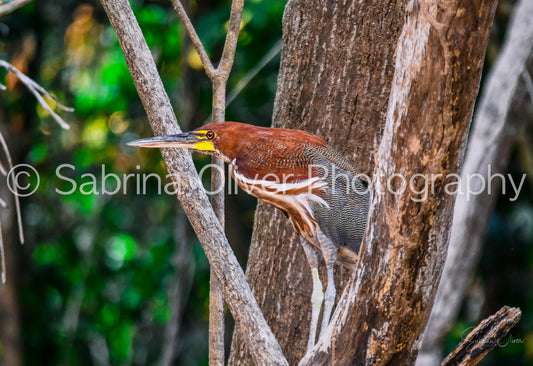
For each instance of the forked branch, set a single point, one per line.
(219, 78)
(239, 297)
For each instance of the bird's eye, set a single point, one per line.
(210, 135)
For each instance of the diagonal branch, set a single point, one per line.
(253, 72)
(38, 91)
(197, 43)
(190, 192)
(487, 335)
(2, 257)
(219, 78)
(12, 6)
(228, 53)
(242, 83)
(3, 144)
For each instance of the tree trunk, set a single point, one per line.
(336, 78)
(498, 119)
(336, 71)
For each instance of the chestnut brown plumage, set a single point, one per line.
(314, 186)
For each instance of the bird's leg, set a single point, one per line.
(329, 252)
(317, 296)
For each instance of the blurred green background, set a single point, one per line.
(96, 277)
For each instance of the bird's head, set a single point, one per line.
(230, 140)
(221, 139)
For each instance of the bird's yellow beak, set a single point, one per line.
(196, 140)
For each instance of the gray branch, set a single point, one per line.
(197, 43)
(2, 256)
(11, 6)
(38, 91)
(219, 78)
(190, 192)
(496, 123)
(3, 144)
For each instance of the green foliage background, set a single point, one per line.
(96, 271)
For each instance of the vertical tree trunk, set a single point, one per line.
(499, 118)
(335, 80)
(336, 71)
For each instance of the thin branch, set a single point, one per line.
(15, 193)
(218, 79)
(2, 256)
(3, 169)
(38, 91)
(243, 83)
(487, 335)
(228, 54)
(216, 298)
(197, 43)
(241, 302)
(12, 6)
(273, 52)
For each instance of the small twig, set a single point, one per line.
(253, 72)
(3, 169)
(15, 194)
(483, 338)
(12, 6)
(38, 91)
(2, 256)
(239, 87)
(197, 43)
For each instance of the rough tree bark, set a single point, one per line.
(483, 338)
(336, 70)
(437, 66)
(498, 119)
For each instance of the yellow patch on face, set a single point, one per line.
(201, 135)
(204, 146)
